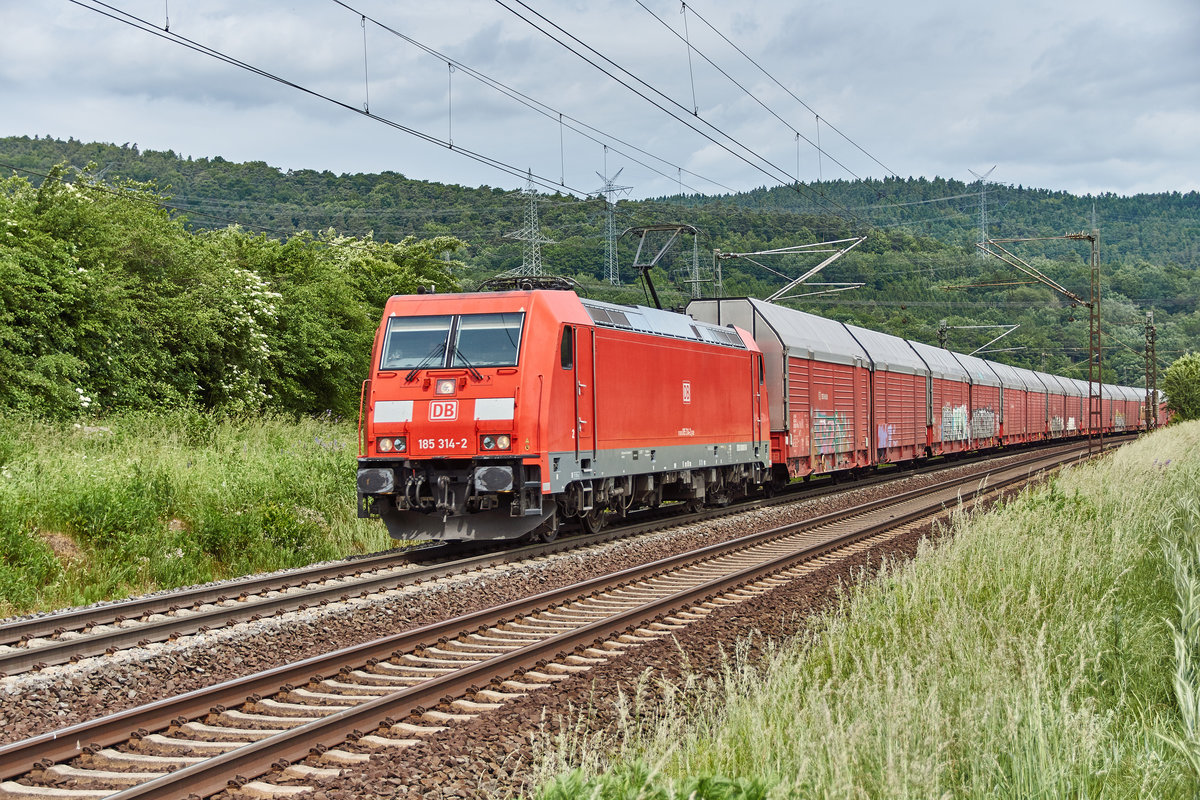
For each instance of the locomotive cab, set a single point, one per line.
(449, 440)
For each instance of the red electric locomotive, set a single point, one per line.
(501, 415)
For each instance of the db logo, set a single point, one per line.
(444, 410)
(687, 392)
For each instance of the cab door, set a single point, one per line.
(585, 398)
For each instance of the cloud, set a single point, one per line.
(1083, 95)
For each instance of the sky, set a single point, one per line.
(1083, 96)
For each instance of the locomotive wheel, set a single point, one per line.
(593, 521)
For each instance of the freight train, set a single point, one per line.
(504, 415)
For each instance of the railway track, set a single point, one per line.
(37, 642)
(334, 710)
(79, 633)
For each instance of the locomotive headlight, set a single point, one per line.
(495, 442)
(445, 386)
(388, 444)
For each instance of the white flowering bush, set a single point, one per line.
(108, 302)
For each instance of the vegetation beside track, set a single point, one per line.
(1048, 649)
(140, 501)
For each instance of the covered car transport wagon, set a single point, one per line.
(949, 389)
(818, 384)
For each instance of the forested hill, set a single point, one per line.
(918, 265)
(1161, 228)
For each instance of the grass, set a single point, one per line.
(140, 502)
(1051, 648)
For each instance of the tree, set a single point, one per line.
(1182, 385)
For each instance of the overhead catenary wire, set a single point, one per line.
(725, 141)
(821, 154)
(135, 21)
(738, 84)
(574, 124)
(793, 95)
(546, 182)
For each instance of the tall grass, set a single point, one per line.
(1031, 655)
(140, 501)
(1181, 548)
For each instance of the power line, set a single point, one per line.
(794, 97)
(735, 82)
(137, 22)
(536, 105)
(848, 215)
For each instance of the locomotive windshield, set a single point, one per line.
(466, 340)
(415, 342)
(487, 340)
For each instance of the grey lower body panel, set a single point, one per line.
(567, 467)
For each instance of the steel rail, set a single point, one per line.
(57, 746)
(109, 613)
(213, 775)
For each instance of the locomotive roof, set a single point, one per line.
(801, 335)
(661, 323)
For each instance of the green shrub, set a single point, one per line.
(159, 500)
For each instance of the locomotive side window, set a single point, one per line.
(567, 353)
(415, 342)
(487, 340)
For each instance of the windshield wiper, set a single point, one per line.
(437, 351)
(474, 373)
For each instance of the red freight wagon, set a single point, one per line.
(949, 389)
(1107, 408)
(1013, 422)
(818, 384)
(1076, 407)
(494, 416)
(1037, 404)
(900, 402)
(1138, 405)
(1056, 402)
(1125, 413)
(985, 409)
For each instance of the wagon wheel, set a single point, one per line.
(593, 521)
(545, 533)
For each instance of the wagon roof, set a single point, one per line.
(981, 373)
(801, 335)
(941, 362)
(1009, 376)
